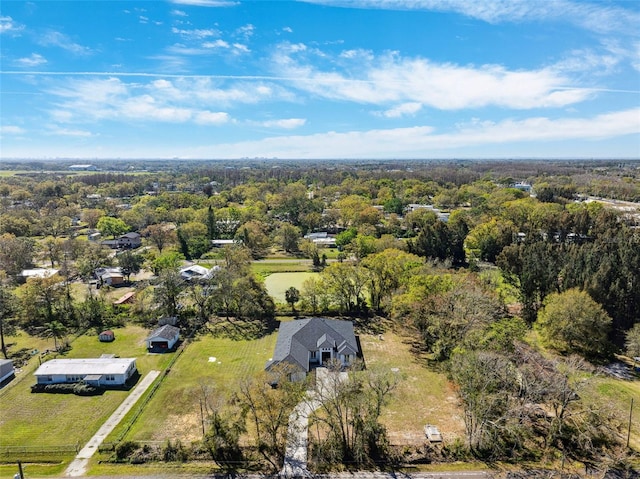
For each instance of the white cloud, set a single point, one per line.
(239, 48)
(58, 131)
(287, 123)
(179, 100)
(445, 86)
(196, 33)
(58, 39)
(11, 130)
(216, 44)
(405, 109)
(8, 25)
(421, 141)
(31, 61)
(207, 3)
(179, 13)
(211, 118)
(246, 31)
(287, 29)
(595, 16)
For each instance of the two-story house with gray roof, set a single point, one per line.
(312, 342)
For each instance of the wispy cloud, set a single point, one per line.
(179, 101)
(422, 141)
(595, 16)
(445, 86)
(179, 13)
(59, 39)
(59, 131)
(196, 33)
(11, 130)
(211, 118)
(9, 26)
(245, 31)
(285, 123)
(34, 60)
(405, 109)
(207, 3)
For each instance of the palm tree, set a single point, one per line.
(292, 295)
(55, 330)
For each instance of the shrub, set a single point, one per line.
(126, 449)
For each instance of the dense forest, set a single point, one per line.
(516, 278)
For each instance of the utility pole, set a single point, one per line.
(20, 473)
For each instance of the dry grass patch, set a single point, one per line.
(424, 396)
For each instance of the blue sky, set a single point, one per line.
(320, 79)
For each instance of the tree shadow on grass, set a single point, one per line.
(241, 329)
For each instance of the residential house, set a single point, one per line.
(128, 240)
(221, 243)
(312, 342)
(197, 272)
(163, 339)
(6, 370)
(101, 372)
(109, 276)
(322, 239)
(38, 273)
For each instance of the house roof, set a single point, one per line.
(297, 338)
(131, 235)
(108, 332)
(38, 272)
(195, 271)
(164, 332)
(86, 366)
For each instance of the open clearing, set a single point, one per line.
(278, 283)
(424, 396)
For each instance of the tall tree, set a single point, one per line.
(130, 263)
(110, 226)
(7, 310)
(572, 322)
(292, 296)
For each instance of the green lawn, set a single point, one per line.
(65, 419)
(618, 393)
(267, 267)
(215, 362)
(278, 283)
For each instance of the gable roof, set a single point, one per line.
(296, 338)
(164, 332)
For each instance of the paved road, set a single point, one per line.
(337, 475)
(78, 466)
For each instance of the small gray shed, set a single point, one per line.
(6, 370)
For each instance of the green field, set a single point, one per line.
(217, 363)
(278, 283)
(266, 267)
(46, 420)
